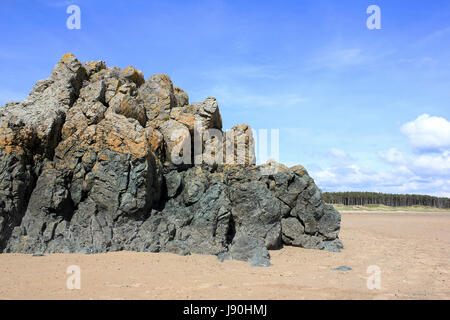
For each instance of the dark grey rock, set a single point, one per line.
(250, 249)
(342, 268)
(292, 229)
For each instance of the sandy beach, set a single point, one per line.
(411, 250)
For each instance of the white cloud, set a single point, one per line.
(428, 133)
(432, 164)
(338, 153)
(396, 180)
(423, 173)
(350, 177)
(423, 164)
(392, 156)
(354, 178)
(340, 157)
(443, 194)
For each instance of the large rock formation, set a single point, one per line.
(97, 159)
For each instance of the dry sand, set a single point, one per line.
(411, 250)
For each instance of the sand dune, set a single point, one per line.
(410, 249)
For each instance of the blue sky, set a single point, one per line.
(360, 109)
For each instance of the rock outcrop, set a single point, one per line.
(97, 159)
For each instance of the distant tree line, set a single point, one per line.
(393, 200)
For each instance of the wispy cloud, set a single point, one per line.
(341, 58)
(242, 71)
(239, 85)
(435, 35)
(421, 62)
(238, 96)
(338, 58)
(340, 156)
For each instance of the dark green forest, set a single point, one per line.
(393, 200)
